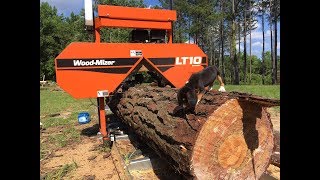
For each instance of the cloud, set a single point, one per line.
(258, 34)
(258, 43)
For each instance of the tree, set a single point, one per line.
(233, 53)
(250, 46)
(245, 43)
(271, 44)
(251, 22)
(222, 37)
(53, 38)
(262, 11)
(276, 17)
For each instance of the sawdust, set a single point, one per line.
(272, 173)
(145, 174)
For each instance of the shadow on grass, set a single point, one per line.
(90, 131)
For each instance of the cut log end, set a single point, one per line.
(230, 136)
(233, 143)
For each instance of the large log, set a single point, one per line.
(229, 137)
(275, 158)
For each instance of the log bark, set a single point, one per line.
(275, 158)
(229, 137)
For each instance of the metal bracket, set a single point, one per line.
(103, 93)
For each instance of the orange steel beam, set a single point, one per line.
(170, 37)
(97, 35)
(130, 17)
(124, 23)
(144, 14)
(102, 119)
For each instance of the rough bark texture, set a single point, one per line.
(275, 158)
(229, 137)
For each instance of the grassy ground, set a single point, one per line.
(270, 91)
(58, 101)
(59, 112)
(61, 172)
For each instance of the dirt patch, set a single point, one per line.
(81, 154)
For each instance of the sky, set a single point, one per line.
(67, 6)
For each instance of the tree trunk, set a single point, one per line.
(250, 44)
(239, 49)
(275, 49)
(213, 52)
(229, 137)
(222, 42)
(273, 70)
(263, 61)
(233, 48)
(236, 69)
(239, 38)
(219, 51)
(177, 29)
(216, 59)
(211, 57)
(189, 27)
(245, 45)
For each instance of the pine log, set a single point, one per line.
(275, 158)
(230, 136)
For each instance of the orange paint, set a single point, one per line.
(84, 68)
(132, 13)
(81, 83)
(102, 119)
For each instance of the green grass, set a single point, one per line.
(59, 101)
(60, 121)
(105, 147)
(62, 139)
(61, 172)
(53, 102)
(270, 91)
(43, 150)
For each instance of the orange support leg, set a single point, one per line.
(102, 119)
(97, 35)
